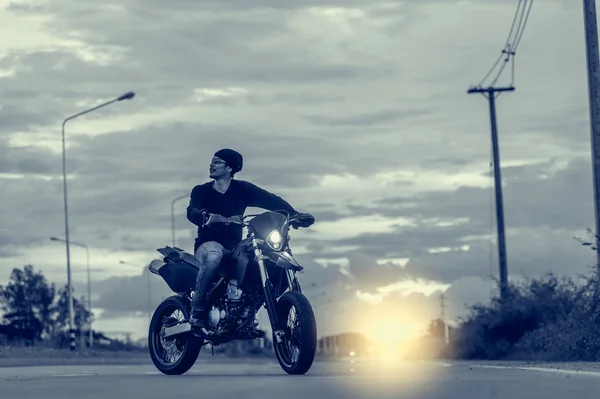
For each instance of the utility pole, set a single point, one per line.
(443, 308)
(491, 93)
(593, 70)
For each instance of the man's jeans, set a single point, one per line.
(209, 254)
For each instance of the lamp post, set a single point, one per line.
(89, 281)
(173, 215)
(149, 298)
(126, 96)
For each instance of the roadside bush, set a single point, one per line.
(549, 318)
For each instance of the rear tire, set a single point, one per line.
(300, 359)
(189, 345)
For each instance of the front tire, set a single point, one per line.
(296, 353)
(172, 310)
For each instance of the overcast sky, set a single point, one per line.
(355, 111)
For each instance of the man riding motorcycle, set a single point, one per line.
(221, 197)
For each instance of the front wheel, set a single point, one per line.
(172, 356)
(297, 350)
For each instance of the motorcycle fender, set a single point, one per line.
(285, 261)
(155, 266)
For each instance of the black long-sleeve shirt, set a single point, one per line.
(240, 195)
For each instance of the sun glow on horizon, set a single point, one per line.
(391, 330)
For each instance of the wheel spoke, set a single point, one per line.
(295, 352)
(168, 348)
(292, 343)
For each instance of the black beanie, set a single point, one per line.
(233, 158)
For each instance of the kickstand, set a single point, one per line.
(212, 349)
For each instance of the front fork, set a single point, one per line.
(270, 300)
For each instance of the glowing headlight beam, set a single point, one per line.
(275, 239)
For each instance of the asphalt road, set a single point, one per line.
(265, 380)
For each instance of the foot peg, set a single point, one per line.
(200, 332)
(256, 333)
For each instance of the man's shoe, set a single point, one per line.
(197, 322)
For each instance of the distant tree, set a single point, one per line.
(82, 315)
(27, 301)
(34, 310)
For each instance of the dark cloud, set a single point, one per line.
(319, 277)
(27, 160)
(244, 6)
(5, 253)
(445, 162)
(535, 195)
(299, 97)
(5, 237)
(543, 210)
(14, 117)
(370, 119)
(368, 275)
(412, 241)
(128, 295)
(324, 215)
(236, 37)
(530, 252)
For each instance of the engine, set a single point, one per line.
(230, 312)
(215, 315)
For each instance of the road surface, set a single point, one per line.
(264, 379)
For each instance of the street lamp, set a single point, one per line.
(149, 299)
(173, 215)
(89, 281)
(127, 96)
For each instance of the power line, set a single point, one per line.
(487, 75)
(508, 52)
(512, 27)
(520, 36)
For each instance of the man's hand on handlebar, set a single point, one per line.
(212, 218)
(216, 218)
(302, 220)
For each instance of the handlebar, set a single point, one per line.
(297, 220)
(210, 218)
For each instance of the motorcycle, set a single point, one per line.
(268, 278)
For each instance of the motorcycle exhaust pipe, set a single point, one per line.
(178, 329)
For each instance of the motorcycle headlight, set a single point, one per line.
(275, 240)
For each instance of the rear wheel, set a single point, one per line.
(172, 356)
(297, 350)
